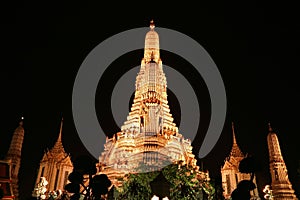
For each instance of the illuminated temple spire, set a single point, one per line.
(151, 51)
(281, 185)
(233, 133)
(58, 146)
(14, 154)
(150, 110)
(148, 137)
(15, 147)
(55, 165)
(235, 150)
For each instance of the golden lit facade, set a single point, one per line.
(148, 137)
(230, 171)
(281, 185)
(55, 166)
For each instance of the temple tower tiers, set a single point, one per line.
(14, 155)
(281, 186)
(55, 165)
(150, 111)
(148, 137)
(230, 171)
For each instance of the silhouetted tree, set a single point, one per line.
(160, 186)
(1, 193)
(217, 184)
(98, 184)
(249, 165)
(242, 192)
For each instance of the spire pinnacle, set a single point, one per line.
(235, 150)
(58, 146)
(270, 128)
(233, 133)
(152, 25)
(60, 130)
(21, 121)
(151, 50)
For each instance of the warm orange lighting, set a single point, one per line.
(148, 137)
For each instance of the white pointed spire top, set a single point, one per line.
(152, 25)
(151, 51)
(21, 121)
(270, 127)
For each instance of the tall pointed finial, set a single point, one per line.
(58, 144)
(270, 128)
(21, 121)
(60, 130)
(152, 26)
(235, 150)
(233, 133)
(151, 50)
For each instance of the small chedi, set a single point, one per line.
(10, 166)
(281, 185)
(149, 139)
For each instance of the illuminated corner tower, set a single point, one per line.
(14, 156)
(230, 171)
(148, 137)
(281, 186)
(55, 165)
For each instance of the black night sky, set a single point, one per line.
(254, 45)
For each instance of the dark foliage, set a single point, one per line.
(85, 165)
(98, 184)
(242, 192)
(1, 193)
(249, 165)
(160, 186)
